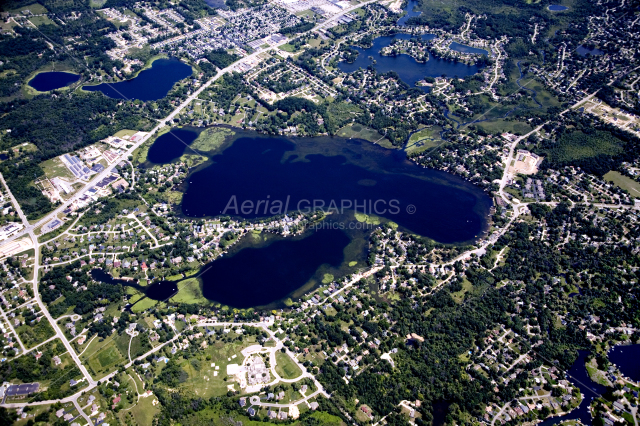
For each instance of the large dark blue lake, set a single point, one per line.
(255, 176)
(408, 69)
(46, 81)
(263, 275)
(149, 85)
(626, 358)
(259, 176)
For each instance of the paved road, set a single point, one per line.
(4, 315)
(25, 222)
(255, 400)
(535, 397)
(80, 410)
(500, 413)
(46, 313)
(91, 386)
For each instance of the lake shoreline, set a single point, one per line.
(149, 84)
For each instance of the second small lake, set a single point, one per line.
(46, 81)
(171, 145)
(408, 69)
(584, 51)
(263, 275)
(161, 290)
(294, 174)
(411, 5)
(150, 84)
(557, 8)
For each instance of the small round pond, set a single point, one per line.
(46, 81)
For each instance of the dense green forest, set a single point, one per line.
(580, 148)
(503, 17)
(221, 59)
(61, 124)
(82, 302)
(595, 149)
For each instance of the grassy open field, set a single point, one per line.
(285, 367)
(288, 48)
(32, 335)
(54, 167)
(25, 147)
(125, 132)
(595, 374)
(35, 8)
(305, 13)
(34, 410)
(458, 296)
(102, 355)
(7, 26)
(341, 113)
(136, 380)
(327, 419)
(314, 42)
(144, 411)
(500, 126)
(41, 20)
(189, 291)
(143, 304)
(139, 345)
(361, 132)
(623, 182)
(201, 369)
(424, 139)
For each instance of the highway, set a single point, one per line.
(16, 206)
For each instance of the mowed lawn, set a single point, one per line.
(285, 367)
(102, 355)
(145, 411)
(624, 182)
(424, 139)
